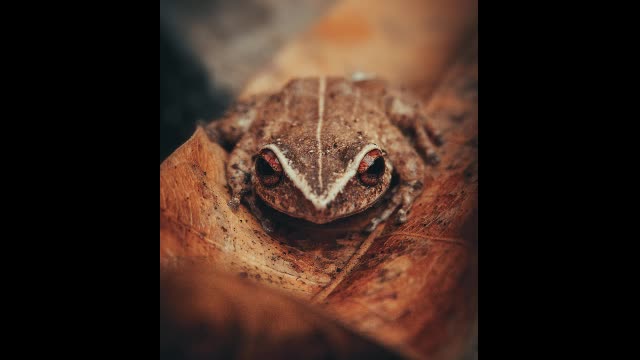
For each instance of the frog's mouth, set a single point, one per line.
(320, 220)
(324, 216)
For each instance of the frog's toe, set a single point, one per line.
(432, 157)
(372, 226)
(401, 217)
(438, 140)
(234, 203)
(267, 226)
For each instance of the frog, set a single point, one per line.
(327, 147)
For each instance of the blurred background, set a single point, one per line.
(210, 48)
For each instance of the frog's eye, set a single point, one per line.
(268, 168)
(371, 168)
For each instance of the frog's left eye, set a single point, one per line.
(268, 168)
(371, 168)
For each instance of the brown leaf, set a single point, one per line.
(206, 314)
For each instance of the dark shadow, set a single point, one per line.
(186, 94)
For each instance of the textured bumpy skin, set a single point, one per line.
(320, 129)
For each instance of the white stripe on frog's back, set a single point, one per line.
(321, 95)
(320, 201)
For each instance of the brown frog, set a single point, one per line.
(326, 148)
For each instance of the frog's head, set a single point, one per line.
(320, 185)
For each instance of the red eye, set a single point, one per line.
(371, 168)
(268, 168)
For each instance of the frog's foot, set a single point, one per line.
(426, 137)
(402, 216)
(407, 194)
(391, 207)
(372, 225)
(234, 203)
(236, 198)
(267, 225)
(403, 197)
(250, 199)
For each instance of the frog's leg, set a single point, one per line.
(228, 130)
(239, 179)
(405, 112)
(250, 199)
(239, 171)
(410, 169)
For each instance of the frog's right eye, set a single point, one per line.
(371, 168)
(268, 168)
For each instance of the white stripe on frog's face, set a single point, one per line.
(321, 95)
(321, 200)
